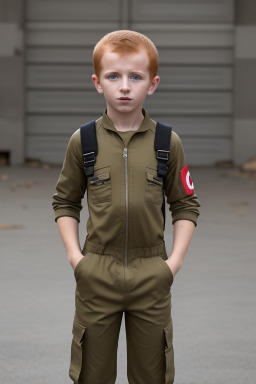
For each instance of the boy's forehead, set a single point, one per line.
(133, 60)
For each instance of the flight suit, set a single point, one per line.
(123, 269)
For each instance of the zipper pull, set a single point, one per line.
(125, 153)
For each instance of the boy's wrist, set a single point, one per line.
(74, 258)
(173, 265)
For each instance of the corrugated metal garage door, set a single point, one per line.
(195, 42)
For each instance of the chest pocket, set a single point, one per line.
(99, 186)
(154, 187)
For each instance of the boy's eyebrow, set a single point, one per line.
(135, 71)
(131, 71)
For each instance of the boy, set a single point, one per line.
(123, 266)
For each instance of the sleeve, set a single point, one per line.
(179, 188)
(71, 186)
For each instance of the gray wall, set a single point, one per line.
(242, 138)
(244, 135)
(12, 88)
(196, 51)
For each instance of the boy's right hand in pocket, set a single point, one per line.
(74, 259)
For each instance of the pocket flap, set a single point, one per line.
(78, 332)
(154, 179)
(102, 177)
(168, 334)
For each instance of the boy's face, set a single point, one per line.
(125, 81)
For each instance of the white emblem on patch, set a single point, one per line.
(189, 181)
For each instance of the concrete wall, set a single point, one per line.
(12, 90)
(244, 138)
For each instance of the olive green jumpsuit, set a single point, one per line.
(123, 269)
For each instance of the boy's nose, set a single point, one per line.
(124, 87)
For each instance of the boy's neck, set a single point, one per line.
(125, 121)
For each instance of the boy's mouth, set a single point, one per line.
(124, 98)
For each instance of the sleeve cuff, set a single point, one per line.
(185, 216)
(67, 212)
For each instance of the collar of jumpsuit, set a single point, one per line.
(145, 125)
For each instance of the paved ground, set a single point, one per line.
(213, 296)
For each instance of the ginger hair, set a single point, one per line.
(125, 42)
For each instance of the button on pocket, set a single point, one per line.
(76, 351)
(99, 186)
(154, 187)
(100, 179)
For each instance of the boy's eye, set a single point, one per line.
(112, 77)
(135, 77)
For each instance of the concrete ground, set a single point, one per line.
(213, 295)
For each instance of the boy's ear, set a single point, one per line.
(96, 82)
(154, 83)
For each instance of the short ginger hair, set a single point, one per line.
(125, 42)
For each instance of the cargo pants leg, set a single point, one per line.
(97, 321)
(150, 355)
(105, 289)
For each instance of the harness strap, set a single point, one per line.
(89, 146)
(162, 148)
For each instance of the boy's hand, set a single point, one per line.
(174, 268)
(68, 227)
(182, 235)
(74, 259)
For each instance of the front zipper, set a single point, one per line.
(125, 156)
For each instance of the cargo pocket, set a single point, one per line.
(99, 186)
(154, 187)
(169, 354)
(76, 351)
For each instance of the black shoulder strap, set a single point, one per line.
(162, 148)
(89, 146)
